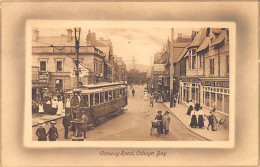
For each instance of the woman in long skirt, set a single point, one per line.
(193, 122)
(40, 111)
(201, 118)
(190, 107)
(60, 108)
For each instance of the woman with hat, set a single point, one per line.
(212, 120)
(41, 132)
(201, 117)
(159, 119)
(190, 107)
(166, 121)
(40, 111)
(194, 114)
(53, 133)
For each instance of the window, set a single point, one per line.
(202, 60)
(211, 66)
(86, 102)
(110, 95)
(114, 94)
(43, 66)
(59, 65)
(91, 99)
(193, 61)
(106, 96)
(227, 64)
(102, 97)
(96, 98)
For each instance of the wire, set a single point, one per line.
(50, 45)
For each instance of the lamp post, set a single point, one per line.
(76, 99)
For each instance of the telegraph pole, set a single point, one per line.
(77, 54)
(171, 68)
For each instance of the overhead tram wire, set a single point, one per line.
(50, 45)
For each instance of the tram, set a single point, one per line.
(99, 101)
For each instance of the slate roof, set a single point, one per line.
(198, 38)
(204, 44)
(182, 54)
(220, 38)
(57, 41)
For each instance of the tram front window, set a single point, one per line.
(91, 99)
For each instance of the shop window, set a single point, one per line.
(59, 65)
(96, 98)
(219, 102)
(211, 66)
(106, 96)
(193, 95)
(226, 104)
(206, 99)
(212, 102)
(43, 65)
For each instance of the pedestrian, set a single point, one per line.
(84, 125)
(60, 108)
(40, 111)
(212, 120)
(159, 119)
(67, 106)
(151, 101)
(174, 101)
(193, 121)
(41, 132)
(166, 121)
(190, 107)
(54, 105)
(133, 92)
(66, 124)
(59, 96)
(145, 96)
(53, 132)
(201, 118)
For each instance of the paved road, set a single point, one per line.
(135, 124)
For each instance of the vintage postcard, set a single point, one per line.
(107, 83)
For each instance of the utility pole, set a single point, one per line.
(77, 54)
(171, 68)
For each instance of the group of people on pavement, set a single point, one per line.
(53, 133)
(198, 117)
(163, 121)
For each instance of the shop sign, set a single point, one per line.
(224, 84)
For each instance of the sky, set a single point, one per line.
(142, 43)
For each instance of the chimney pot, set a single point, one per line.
(69, 35)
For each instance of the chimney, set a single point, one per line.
(35, 35)
(69, 35)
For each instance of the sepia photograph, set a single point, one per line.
(130, 84)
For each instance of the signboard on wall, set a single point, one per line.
(158, 67)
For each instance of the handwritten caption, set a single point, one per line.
(124, 153)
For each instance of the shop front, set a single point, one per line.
(189, 89)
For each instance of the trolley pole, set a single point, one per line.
(171, 68)
(77, 54)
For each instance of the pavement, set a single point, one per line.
(45, 118)
(180, 112)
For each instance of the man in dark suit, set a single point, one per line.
(53, 133)
(66, 123)
(40, 132)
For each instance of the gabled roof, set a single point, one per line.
(198, 38)
(220, 38)
(204, 44)
(57, 41)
